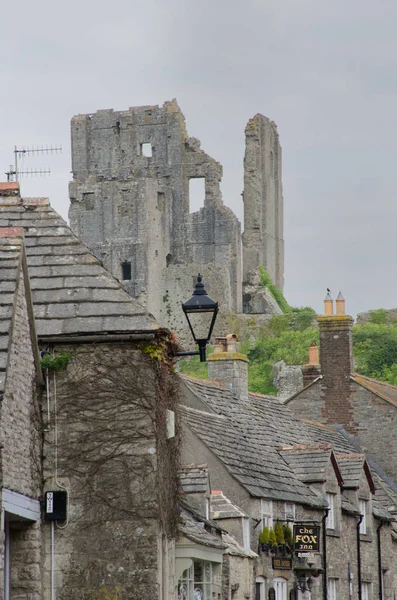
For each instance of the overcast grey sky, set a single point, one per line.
(325, 72)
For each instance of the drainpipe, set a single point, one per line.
(359, 558)
(380, 562)
(325, 591)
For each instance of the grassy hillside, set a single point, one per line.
(289, 337)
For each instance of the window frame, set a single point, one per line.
(332, 588)
(363, 506)
(194, 585)
(366, 589)
(266, 513)
(289, 512)
(330, 523)
(246, 534)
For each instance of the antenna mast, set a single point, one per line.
(21, 152)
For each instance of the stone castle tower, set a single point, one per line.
(130, 205)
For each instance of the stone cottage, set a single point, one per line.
(333, 393)
(268, 469)
(88, 452)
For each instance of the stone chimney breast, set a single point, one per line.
(227, 365)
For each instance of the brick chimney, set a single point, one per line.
(336, 357)
(311, 370)
(228, 366)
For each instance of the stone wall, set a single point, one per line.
(21, 448)
(263, 200)
(133, 209)
(103, 445)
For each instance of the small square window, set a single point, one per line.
(126, 271)
(146, 149)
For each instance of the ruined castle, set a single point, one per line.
(130, 205)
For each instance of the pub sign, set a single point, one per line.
(306, 538)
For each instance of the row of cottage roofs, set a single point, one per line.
(74, 297)
(262, 445)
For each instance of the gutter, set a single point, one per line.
(359, 557)
(99, 337)
(325, 583)
(379, 560)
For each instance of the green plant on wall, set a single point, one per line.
(55, 362)
(279, 533)
(287, 534)
(264, 536)
(272, 538)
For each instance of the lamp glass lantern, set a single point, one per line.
(200, 312)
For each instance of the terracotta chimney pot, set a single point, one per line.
(313, 356)
(340, 305)
(328, 305)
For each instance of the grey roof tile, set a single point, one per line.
(72, 293)
(194, 479)
(223, 508)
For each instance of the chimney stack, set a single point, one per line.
(228, 366)
(311, 370)
(336, 355)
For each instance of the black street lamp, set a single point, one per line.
(201, 312)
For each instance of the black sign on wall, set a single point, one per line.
(306, 538)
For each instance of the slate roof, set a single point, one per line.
(194, 479)
(245, 444)
(11, 250)
(195, 531)
(234, 548)
(223, 508)
(72, 293)
(351, 466)
(310, 463)
(249, 438)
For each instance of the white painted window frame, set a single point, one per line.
(266, 513)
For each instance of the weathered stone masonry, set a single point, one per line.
(132, 210)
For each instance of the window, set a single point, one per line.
(196, 582)
(365, 590)
(280, 587)
(196, 193)
(267, 513)
(331, 521)
(260, 588)
(146, 149)
(289, 510)
(363, 506)
(126, 270)
(332, 589)
(246, 535)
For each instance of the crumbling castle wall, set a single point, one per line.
(130, 205)
(263, 200)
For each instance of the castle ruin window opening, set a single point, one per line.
(146, 149)
(196, 193)
(126, 270)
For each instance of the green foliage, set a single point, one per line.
(287, 534)
(375, 350)
(284, 343)
(272, 537)
(193, 367)
(279, 532)
(56, 362)
(379, 316)
(264, 536)
(273, 289)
